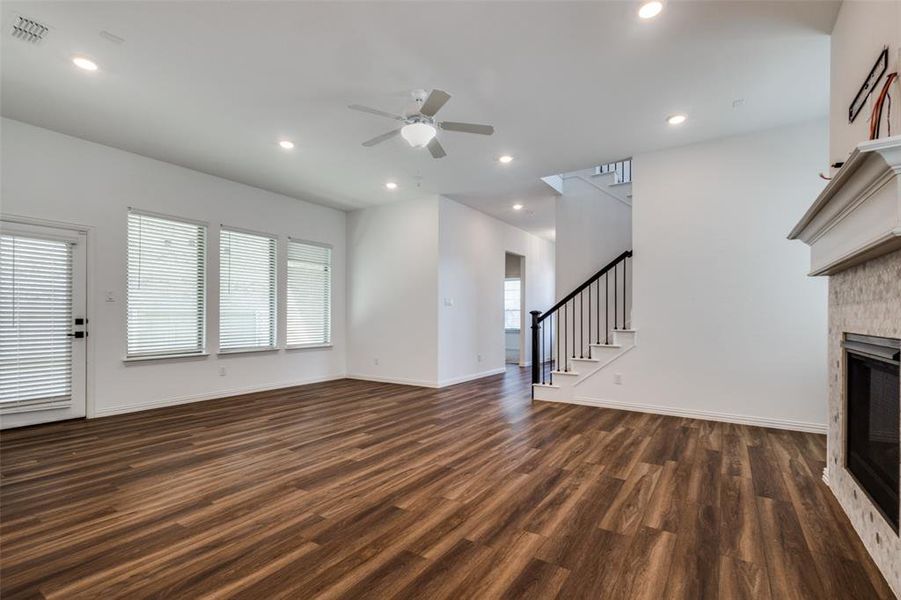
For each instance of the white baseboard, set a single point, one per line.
(826, 475)
(427, 384)
(218, 395)
(396, 380)
(701, 414)
(470, 377)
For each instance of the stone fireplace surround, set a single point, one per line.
(864, 299)
(854, 232)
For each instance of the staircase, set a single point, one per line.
(583, 333)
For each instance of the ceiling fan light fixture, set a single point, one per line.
(418, 134)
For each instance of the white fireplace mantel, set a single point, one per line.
(857, 217)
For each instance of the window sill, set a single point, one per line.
(229, 352)
(309, 347)
(512, 330)
(152, 358)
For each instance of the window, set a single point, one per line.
(512, 304)
(309, 294)
(246, 291)
(166, 286)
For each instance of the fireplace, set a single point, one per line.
(872, 426)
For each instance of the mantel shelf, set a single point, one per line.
(857, 216)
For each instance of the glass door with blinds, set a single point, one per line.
(43, 328)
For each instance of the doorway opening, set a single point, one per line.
(514, 308)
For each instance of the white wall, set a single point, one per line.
(861, 30)
(392, 292)
(728, 323)
(50, 176)
(425, 292)
(472, 267)
(593, 228)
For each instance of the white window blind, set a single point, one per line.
(166, 286)
(246, 291)
(512, 304)
(35, 319)
(309, 294)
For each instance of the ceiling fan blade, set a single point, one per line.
(436, 149)
(467, 127)
(381, 138)
(375, 111)
(434, 102)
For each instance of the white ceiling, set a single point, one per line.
(213, 86)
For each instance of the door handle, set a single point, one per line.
(77, 334)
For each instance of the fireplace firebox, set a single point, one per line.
(872, 419)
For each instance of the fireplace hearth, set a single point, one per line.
(872, 419)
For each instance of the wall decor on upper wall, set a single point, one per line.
(869, 84)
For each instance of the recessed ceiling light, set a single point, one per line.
(391, 185)
(505, 159)
(84, 63)
(649, 10)
(676, 119)
(286, 144)
(517, 207)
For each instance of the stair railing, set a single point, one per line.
(569, 328)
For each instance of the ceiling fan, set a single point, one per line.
(419, 125)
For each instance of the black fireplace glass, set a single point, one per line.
(872, 453)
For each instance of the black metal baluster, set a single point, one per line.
(536, 359)
(574, 327)
(614, 297)
(540, 352)
(589, 319)
(607, 308)
(581, 325)
(625, 271)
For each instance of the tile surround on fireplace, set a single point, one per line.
(864, 299)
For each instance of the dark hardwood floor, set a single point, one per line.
(367, 490)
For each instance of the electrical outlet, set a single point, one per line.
(222, 372)
(479, 357)
(110, 297)
(375, 361)
(618, 378)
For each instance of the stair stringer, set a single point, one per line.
(563, 384)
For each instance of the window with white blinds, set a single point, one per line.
(35, 320)
(166, 286)
(246, 291)
(309, 294)
(512, 304)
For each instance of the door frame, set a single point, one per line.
(88, 231)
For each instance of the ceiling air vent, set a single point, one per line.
(29, 31)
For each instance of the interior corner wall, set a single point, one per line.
(392, 307)
(593, 228)
(861, 30)
(728, 323)
(471, 289)
(49, 176)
